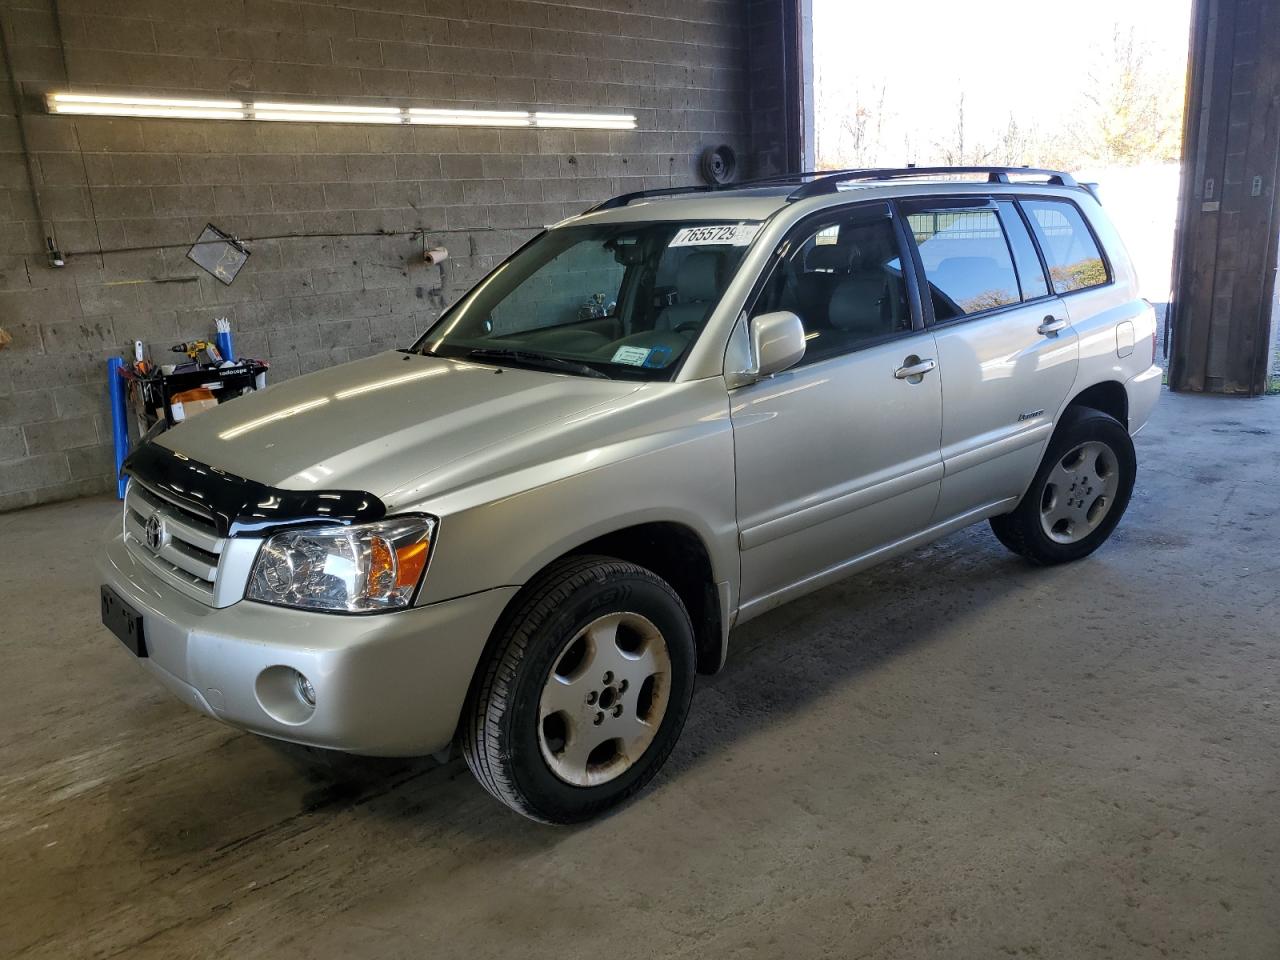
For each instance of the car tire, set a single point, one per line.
(1079, 493)
(584, 692)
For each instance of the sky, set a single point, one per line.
(1031, 58)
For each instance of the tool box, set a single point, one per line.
(157, 390)
(174, 392)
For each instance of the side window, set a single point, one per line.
(581, 283)
(1069, 248)
(966, 260)
(1030, 272)
(844, 280)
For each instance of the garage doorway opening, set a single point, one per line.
(1096, 90)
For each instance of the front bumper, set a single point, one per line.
(389, 684)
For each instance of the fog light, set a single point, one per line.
(285, 694)
(306, 691)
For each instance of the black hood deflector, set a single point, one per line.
(239, 506)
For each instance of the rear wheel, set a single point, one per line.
(1079, 493)
(585, 692)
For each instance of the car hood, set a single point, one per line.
(379, 423)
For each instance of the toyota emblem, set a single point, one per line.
(155, 532)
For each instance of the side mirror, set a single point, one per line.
(777, 342)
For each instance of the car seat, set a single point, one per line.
(698, 281)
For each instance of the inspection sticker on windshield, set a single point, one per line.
(632, 356)
(733, 234)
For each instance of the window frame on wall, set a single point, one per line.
(865, 211)
(1027, 217)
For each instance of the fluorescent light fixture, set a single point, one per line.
(271, 110)
(297, 116)
(323, 108)
(71, 98)
(180, 113)
(95, 105)
(585, 121)
(469, 118)
(324, 113)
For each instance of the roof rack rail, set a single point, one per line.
(778, 178)
(622, 199)
(820, 182)
(830, 182)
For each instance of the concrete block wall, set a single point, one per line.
(345, 276)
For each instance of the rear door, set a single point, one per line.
(839, 454)
(1006, 348)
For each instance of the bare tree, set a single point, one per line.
(850, 125)
(910, 150)
(955, 154)
(1015, 145)
(958, 150)
(1132, 110)
(863, 128)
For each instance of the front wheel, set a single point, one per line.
(585, 692)
(1079, 493)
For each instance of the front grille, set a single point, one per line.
(189, 548)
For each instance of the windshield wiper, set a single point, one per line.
(539, 360)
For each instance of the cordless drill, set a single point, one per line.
(193, 349)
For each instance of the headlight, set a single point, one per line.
(362, 569)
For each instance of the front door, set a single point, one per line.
(839, 454)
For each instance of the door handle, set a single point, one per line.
(1051, 326)
(914, 369)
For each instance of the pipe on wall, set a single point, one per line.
(51, 236)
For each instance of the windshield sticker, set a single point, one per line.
(733, 234)
(632, 356)
(659, 356)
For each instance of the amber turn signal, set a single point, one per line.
(411, 560)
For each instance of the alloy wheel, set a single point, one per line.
(604, 699)
(1079, 492)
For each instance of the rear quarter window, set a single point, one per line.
(1071, 253)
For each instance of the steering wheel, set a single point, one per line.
(689, 326)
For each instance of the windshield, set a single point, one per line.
(624, 301)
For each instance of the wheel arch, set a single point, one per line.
(677, 554)
(1109, 396)
(672, 550)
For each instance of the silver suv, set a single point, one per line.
(526, 533)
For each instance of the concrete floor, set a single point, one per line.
(954, 755)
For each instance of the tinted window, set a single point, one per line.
(1069, 248)
(1030, 272)
(966, 260)
(844, 280)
